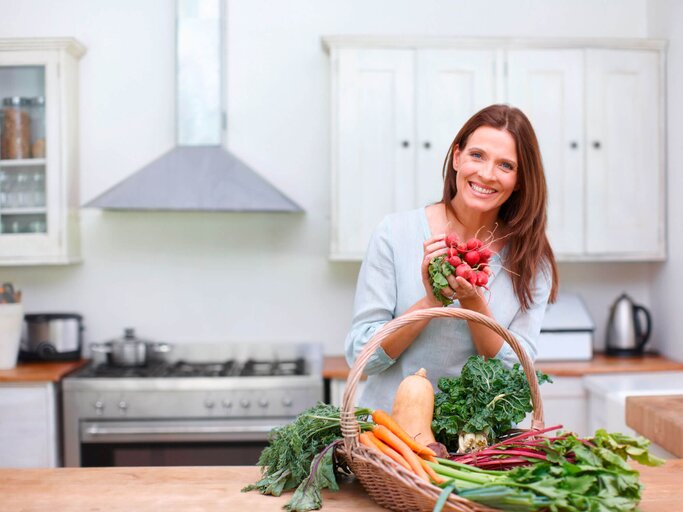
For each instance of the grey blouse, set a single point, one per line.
(389, 283)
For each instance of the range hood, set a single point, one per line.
(198, 174)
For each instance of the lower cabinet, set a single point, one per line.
(28, 425)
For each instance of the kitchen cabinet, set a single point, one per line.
(597, 107)
(39, 158)
(28, 425)
(393, 117)
(598, 115)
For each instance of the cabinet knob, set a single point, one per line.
(573, 144)
(427, 144)
(405, 143)
(596, 144)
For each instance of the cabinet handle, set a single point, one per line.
(596, 144)
(427, 144)
(573, 144)
(405, 143)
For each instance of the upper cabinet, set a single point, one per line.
(38, 151)
(597, 112)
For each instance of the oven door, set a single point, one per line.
(205, 442)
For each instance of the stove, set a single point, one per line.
(202, 404)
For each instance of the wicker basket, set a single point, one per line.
(387, 483)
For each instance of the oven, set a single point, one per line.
(184, 412)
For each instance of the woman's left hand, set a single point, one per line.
(466, 293)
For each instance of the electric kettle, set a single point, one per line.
(625, 333)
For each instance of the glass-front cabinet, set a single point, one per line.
(38, 151)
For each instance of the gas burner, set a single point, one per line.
(104, 370)
(193, 369)
(256, 368)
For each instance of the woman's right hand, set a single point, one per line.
(435, 246)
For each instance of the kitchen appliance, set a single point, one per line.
(201, 404)
(199, 174)
(129, 350)
(51, 337)
(566, 331)
(626, 335)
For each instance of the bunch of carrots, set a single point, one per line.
(388, 438)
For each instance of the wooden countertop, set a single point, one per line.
(335, 367)
(209, 489)
(659, 418)
(42, 371)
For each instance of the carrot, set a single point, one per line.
(382, 418)
(370, 440)
(384, 434)
(431, 473)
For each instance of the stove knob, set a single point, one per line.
(263, 402)
(99, 406)
(209, 404)
(245, 403)
(227, 404)
(123, 405)
(287, 402)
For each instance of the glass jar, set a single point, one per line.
(16, 129)
(37, 116)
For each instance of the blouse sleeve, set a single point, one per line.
(375, 300)
(526, 325)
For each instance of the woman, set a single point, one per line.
(494, 186)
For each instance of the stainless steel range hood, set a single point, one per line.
(198, 174)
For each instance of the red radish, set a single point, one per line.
(473, 243)
(486, 269)
(464, 271)
(485, 253)
(451, 240)
(462, 247)
(453, 252)
(472, 258)
(482, 278)
(454, 260)
(473, 278)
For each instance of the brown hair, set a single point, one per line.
(524, 213)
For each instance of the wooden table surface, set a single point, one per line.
(41, 371)
(335, 367)
(217, 489)
(659, 418)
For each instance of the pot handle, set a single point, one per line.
(161, 347)
(644, 336)
(101, 348)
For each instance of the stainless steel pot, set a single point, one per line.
(130, 350)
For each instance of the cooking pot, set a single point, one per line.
(130, 350)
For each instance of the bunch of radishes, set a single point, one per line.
(469, 260)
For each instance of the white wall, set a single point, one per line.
(665, 19)
(196, 276)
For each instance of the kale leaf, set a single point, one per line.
(486, 397)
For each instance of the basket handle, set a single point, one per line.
(349, 425)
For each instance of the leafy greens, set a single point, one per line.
(486, 397)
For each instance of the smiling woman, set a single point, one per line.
(494, 189)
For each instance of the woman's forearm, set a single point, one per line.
(398, 341)
(486, 342)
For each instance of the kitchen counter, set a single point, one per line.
(335, 367)
(41, 371)
(208, 489)
(659, 418)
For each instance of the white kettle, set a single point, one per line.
(625, 333)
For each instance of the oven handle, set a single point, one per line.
(132, 432)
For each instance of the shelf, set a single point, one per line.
(24, 162)
(23, 211)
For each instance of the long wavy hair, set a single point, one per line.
(524, 214)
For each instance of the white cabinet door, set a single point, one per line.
(547, 85)
(38, 169)
(28, 425)
(373, 146)
(624, 179)
(451, 86)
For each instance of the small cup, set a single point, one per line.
(11, 318)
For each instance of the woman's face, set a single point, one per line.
(487, 170)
